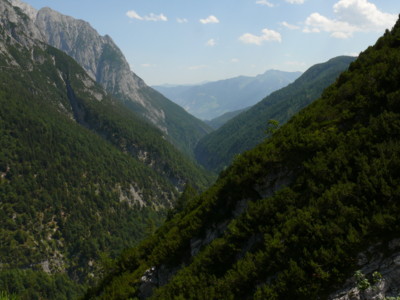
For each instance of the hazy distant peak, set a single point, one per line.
(275, 71)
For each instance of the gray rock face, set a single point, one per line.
(26, 32)
(381, 258)
(105, 63)
(26, 8)
(99, 56)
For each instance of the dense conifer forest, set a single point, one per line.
(98, 203)
(288, 218)
(217, 150)
(81, 177)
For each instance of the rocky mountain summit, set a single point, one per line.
(93, 52)
(104, 62)
(98, 55)
(10, 18)
(79, 173)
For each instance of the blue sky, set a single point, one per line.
(192, 41)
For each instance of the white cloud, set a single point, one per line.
(133, 15)
(210, 20)
(290, 26)
(199, 67)
(182, 20)
(211, 43)
(153, 17)
(234, 60)
(363, 13)
(150, 17)
(265, 3)
(295, 1)
(267, 35)
(351, 16)
(318, 23)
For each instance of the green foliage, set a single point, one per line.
(7, 296)
(362, 282)
(221, 120)
(376, 277)
(184, 130)
(32, 285)
(81, 177)
(287, 219)
(217, 149)
(272, 127)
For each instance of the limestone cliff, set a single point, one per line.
(99, 56)
(106, 64)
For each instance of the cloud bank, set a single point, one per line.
(182, 20)
(209, 20)
(211, 43)
(290, 26)
(150, 17)
(351, 16)
(295, 1)
(265, 3)
(266, 35)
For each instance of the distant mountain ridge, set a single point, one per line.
(216, 150)
(221, 120)
(106, 64)
(213, 99)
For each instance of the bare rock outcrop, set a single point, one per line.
(378, 277)
(100, 57)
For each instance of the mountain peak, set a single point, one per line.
(30, 11)
(15, 12)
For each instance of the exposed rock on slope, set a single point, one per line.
(382, 259)
(105, 63)
(17, 25)
(97, 54)
(79, 173)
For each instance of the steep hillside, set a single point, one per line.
(289, 218)
(80, 176)
(221, 120)
(217, 150)
(105, 63)
(213, 99)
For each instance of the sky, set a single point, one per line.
(194, 41)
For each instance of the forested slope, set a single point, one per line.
(213, 99)
(81, 177)
(288, 218)
(217, 150)
(106, 63)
